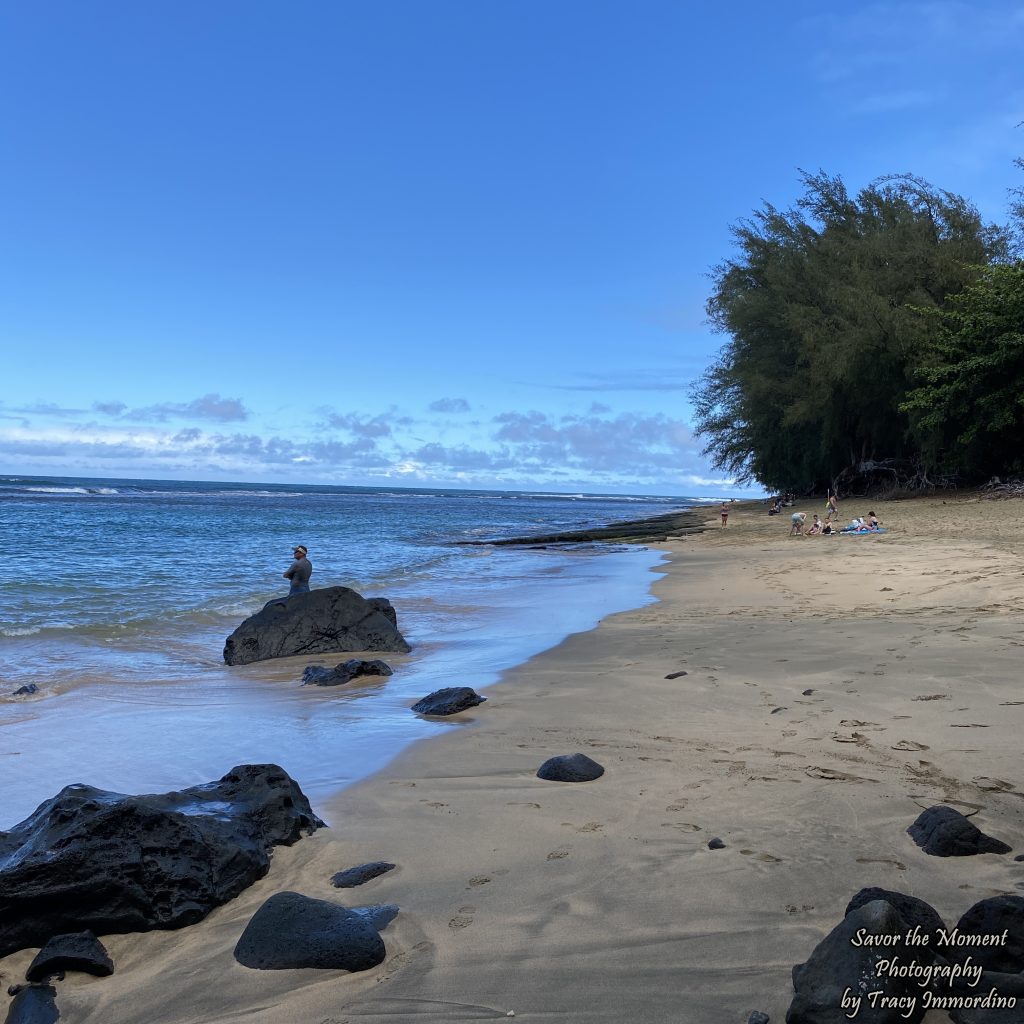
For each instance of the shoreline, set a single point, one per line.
(601, 901)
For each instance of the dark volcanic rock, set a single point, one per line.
(320, 622)
(34, 1004)
(449, 701)
(676, 675)
(945, 832)
(112, 863)
(344, 672)
(913, 910)
(757, 1017)
(992, 917)
(292, 931)
(716, 844)
(352, 877)
(24, 691)
(837, 965)
(570, 768)
(76, 951)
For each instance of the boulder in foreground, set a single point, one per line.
(449, 701)
(570, 768)
(345, 672)
(291, 931)
(945, 832)
(34, 1004)
(76, 951)
(839, 966)
(88, 858)
(325, 621)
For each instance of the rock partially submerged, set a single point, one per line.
(112, 863)
(945, 832)
(361, 874)
(449, 701)
(291, 931)
(325, 621)
(27, 690)
(76, 951)
(344, 672)
(570, 768)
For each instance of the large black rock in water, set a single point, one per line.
(320, 622)
(88, 858)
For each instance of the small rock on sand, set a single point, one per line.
(291, 931)
(945, 832)
(570, 768)
(73, 951)
(360, 874)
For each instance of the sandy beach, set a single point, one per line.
(601, 902)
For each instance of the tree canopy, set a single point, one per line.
(968, 407)
(822, 309)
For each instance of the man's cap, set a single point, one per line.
(301, 547)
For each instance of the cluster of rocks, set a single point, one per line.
(951, 969)
(884, 928)
(89, 860)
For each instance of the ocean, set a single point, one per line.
(117, 596)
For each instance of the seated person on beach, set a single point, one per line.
(797, 519)
(299, 572)
(873, 521)
(827, 529)
(776, 507)
(815, 528)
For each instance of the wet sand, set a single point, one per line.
(601, 901)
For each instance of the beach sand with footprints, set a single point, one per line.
(833, 689)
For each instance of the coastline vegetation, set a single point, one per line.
(873, 339)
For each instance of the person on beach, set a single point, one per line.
(815, 528)
(299, 572)
(873, 521)
(725, 513)
(827, 530)
(831, 507)
(797, 519)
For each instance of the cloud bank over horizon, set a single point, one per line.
(592, 449)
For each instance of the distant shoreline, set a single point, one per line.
(652, 529)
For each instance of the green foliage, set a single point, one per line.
(968, 408)
(823, 341)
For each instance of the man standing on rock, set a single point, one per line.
(299, 572)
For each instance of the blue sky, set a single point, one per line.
(453, 243)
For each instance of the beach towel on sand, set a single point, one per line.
(863, 533)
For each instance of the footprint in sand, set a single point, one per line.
(895, 863)
(968, 725)
(681, 826)
(909, 745)
(997, 785)
(767, 858)
(675, 807)
(932, 696)
(477, 880)
(558, 854)
(523, 803)
(590, 826)
(816, 772)
(854, 737)
(460, 922)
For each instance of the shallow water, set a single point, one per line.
(134, 695)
